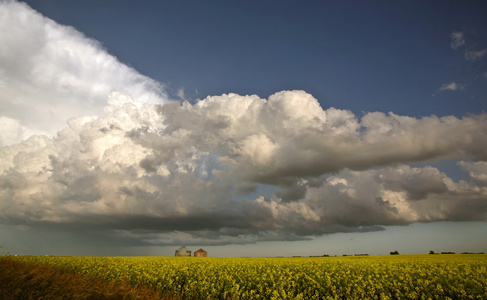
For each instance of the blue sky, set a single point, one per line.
(362, 56)
(256, 128)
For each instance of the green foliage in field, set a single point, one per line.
(365, 277)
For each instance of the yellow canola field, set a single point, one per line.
(454, 276)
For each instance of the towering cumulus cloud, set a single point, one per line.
(129, 166)
(50, 72)
(240, 169)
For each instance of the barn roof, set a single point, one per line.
(200, 250)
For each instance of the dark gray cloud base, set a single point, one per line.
(241, 169)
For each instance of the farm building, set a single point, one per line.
(183, 251)
(200, 253)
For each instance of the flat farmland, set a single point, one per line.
(446, 276)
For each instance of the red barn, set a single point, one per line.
(200, 253)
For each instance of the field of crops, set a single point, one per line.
(455, 276)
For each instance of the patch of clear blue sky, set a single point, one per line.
(357, 55)
(447, 166)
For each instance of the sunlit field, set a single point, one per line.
(455, 276)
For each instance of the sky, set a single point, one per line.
(247, 128)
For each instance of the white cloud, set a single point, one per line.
(13, 132)
(474, 55)
(452, 86)
(457, 40)
(50, 72)
(181, 94)
(476, 170)
(152, 171)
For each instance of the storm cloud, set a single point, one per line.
(91, 148)
(242, 169)
(65, 72)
